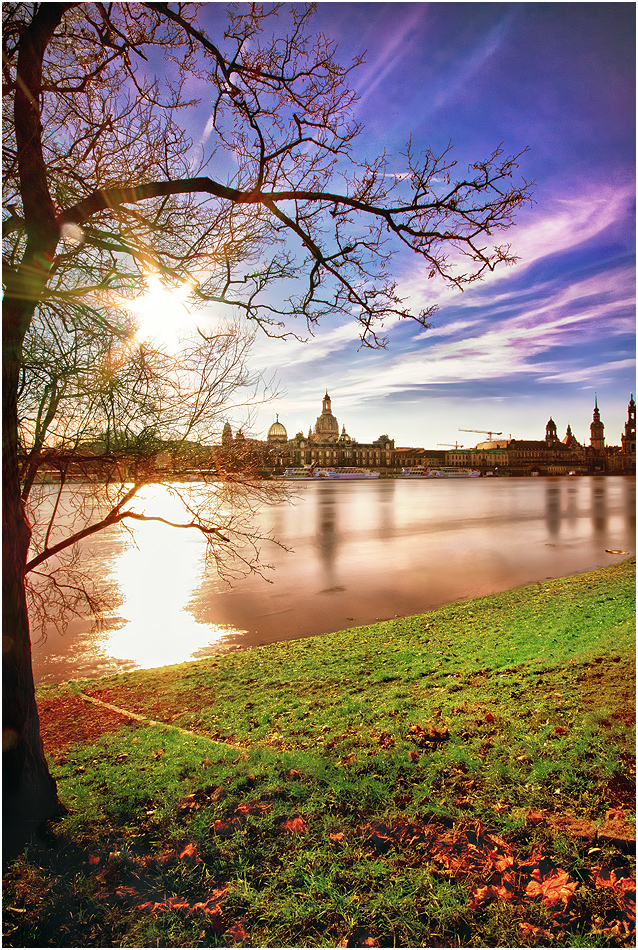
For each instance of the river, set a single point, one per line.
(357, 552)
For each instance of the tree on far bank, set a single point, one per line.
(273, 217)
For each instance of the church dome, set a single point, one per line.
(277, 432)
(326, 426)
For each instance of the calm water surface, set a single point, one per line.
(361, 551)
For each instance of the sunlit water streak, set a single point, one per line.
(361, 552)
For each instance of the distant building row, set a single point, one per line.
(326, 445)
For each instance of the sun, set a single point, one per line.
(162, 313)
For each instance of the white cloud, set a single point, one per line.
(567, 223)
(591, 374)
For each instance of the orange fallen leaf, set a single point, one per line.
(295, 826)
(188, 852)
(556, 887)
(531, 930)
(237, 933)
(253, 808)
(480, 896)
(125, 891)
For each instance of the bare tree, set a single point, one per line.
(276, 218)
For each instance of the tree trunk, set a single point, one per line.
(30, 794)
(29, 791)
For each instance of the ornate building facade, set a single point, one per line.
(326, 445)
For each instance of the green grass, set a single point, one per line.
(376, 778)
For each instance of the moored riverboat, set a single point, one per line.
(330, 474)
(345, 473)
(444, 471)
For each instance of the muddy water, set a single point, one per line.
(358, 552)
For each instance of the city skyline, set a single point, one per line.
(534, 340)
(467, 439)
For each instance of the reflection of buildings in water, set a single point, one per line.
(383, 500)
(571, 512)
(630, 504)
(552, 509)
(327, 535)
(599, 506)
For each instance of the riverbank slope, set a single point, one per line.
(463, 777)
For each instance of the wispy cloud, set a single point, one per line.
(601, 372)
(467, 66)
(531, 343)
(564, 223)
(390, 54)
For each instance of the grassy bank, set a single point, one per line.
(464, 777)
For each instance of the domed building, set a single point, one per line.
(277, 433)
(325, 446)
(326, 426)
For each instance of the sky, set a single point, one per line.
(531, 341)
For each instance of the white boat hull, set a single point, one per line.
(323, 474)
(439, 473)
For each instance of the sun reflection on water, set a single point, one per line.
(158, 574)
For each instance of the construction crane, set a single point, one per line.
(488, 432)
(450, 445)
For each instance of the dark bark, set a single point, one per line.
(29, 791)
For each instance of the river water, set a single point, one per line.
(358, 552)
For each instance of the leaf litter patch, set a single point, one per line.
(491, 869)
(68, 719)
(484, 862)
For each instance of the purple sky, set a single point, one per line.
(533, 340)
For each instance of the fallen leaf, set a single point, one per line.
(295, 826)
(224, 828)
(125, 891)
(237, 933)
(531, 930)
(480, 896)
(556, 887)
(253, 808)
(188, 852)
